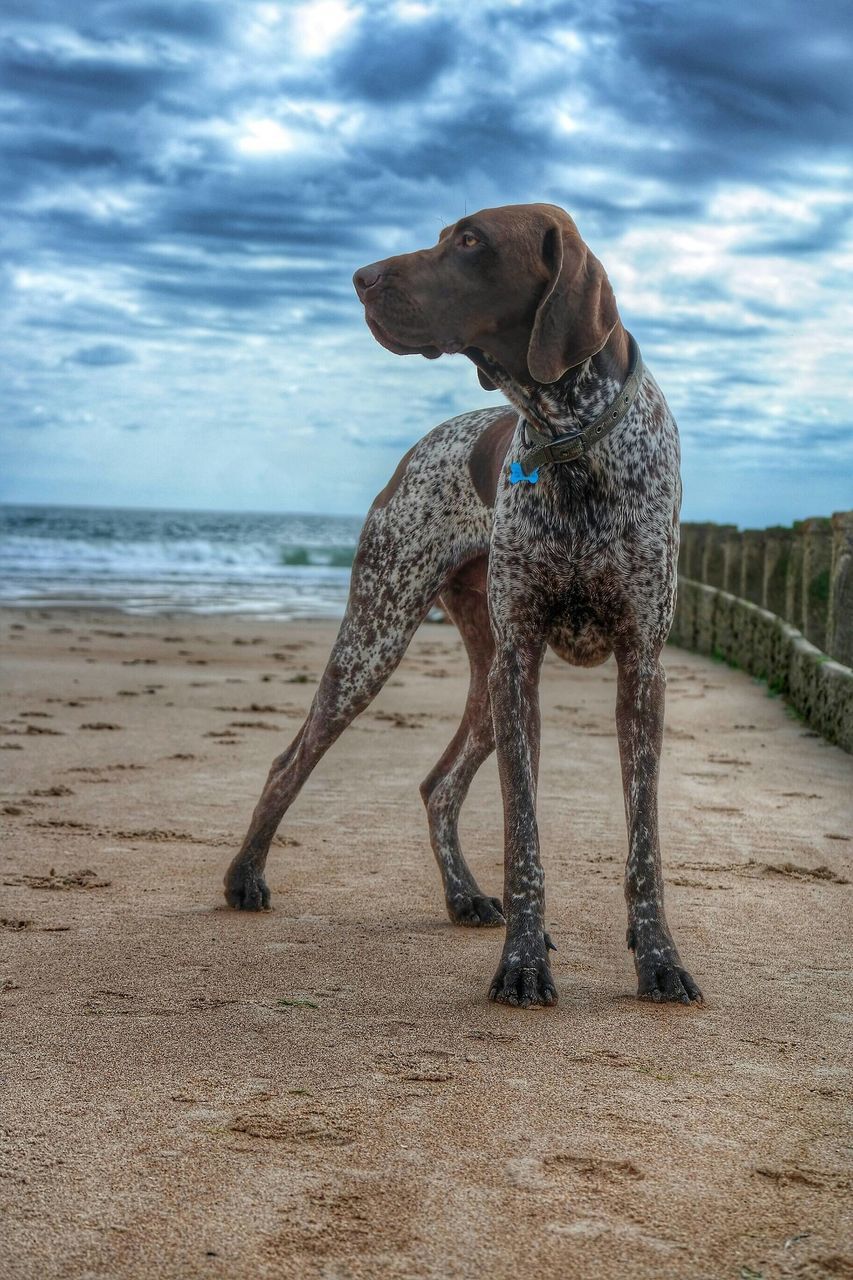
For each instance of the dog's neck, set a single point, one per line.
(576, 398)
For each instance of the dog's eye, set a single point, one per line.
(468, 240)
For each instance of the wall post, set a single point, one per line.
(713, 554)
(817, 561)
(777, 552)
(751, 585)
(794, 578)
(839, 631)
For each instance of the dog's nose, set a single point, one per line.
(365, 278)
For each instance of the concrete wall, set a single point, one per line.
(777, 602)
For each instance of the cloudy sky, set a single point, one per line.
(188, 187)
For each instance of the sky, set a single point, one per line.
(187, 188)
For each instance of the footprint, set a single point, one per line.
(297, 1127)
(30, 730)
(259, 709)
(23, 926)
(593, 1168)
(686, 883)
(537, 1172)
(84, 879)
(103, 768)
(400, 720)
(796, 872)
(167, 835)
(804, 1178)
(254, 724)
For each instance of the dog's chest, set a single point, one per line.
(591, 552)
(585, 589)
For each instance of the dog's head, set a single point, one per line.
(516, 283)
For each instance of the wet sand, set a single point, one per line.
(324, 1091)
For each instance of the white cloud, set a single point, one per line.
(321, 24)
(264, 137)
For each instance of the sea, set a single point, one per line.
(202, 562)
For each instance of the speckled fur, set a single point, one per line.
(583, 561)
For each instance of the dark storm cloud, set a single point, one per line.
(102, 355)
(195, 21)
(230, 212)
(84, 85)
(716, 78)
(56, 153)
(240, 293)
(388, 61)
(775, 71)
(34, 418)
(827, 233)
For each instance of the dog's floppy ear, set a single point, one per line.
(485, 381)
(577, 313)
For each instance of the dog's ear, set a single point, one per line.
(577, 313)
(485, 381)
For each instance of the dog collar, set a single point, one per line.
(574, 444)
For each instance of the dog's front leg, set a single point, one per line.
(523, 976)
(639, 723)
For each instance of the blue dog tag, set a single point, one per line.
(516, 475)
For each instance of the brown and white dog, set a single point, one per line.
(583, 560)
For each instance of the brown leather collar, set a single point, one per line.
(574, 444)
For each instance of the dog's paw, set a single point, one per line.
(247, 890)
(523, 980)
(661, 977)
(665, 980)
(476, 911)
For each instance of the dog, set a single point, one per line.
(551, 523)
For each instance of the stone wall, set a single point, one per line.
(777, 602)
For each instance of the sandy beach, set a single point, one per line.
(324, 1091)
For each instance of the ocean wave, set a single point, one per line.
(156, 561)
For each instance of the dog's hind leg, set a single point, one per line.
(394, 583)
(445, 787)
